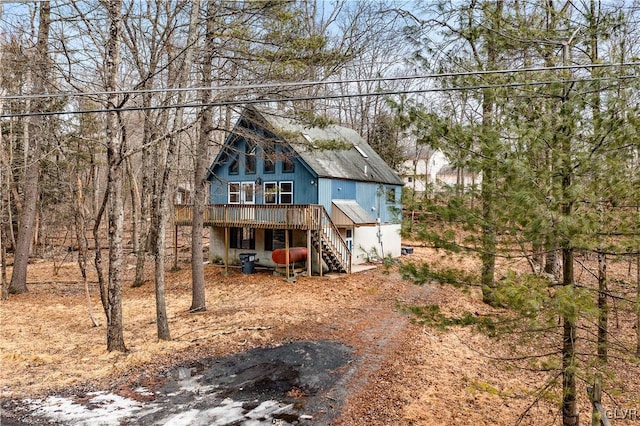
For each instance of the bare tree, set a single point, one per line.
(198, 303)
(4, 290)
(115, 337)
(38, 133)
(161, 207)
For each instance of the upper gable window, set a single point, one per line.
(287, 161)
(234, 165)
(269, 163)
(250, 157)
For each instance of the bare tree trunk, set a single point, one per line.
(198, 303)
(161, 210)
(162, 321)
(81, 239)
(32, 159)
(5, 190)
(136, 219)
(603, 307)
(115, 338)
(145, 203)
(97, 260)
(569, 400)
(4, 290)
(3, 266)
(638, 306)
(3, 251)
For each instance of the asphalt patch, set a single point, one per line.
(299, 383)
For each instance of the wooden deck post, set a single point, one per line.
(226, 250)
(320, 252)
(286, 245)
(309, 272)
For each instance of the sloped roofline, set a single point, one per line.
(343, 153)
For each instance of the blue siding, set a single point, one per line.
(372, 196)
(304, 181)
(324, 193)
(343, 190)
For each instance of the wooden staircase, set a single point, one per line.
(327, 240)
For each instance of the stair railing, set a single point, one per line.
(331, 236)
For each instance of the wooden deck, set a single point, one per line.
(303, 217)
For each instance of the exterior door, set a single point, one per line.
(248, 193)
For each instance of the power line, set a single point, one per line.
(230, 102)
(317, 82)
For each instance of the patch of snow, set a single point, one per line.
(192, 384)
(103, 409)
(143, 391)
(106, 409)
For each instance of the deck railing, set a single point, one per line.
(294, 216)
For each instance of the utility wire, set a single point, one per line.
(317, 82)
(231, 102)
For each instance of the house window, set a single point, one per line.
(242, 238)
(274, 239)
(269, 164)
(286, 192)
(287, 162)
(233, 166)
(349, 239)
(270, 193)
(391, 195)
(250, 158)
(234, 192)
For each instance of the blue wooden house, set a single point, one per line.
(280, 183)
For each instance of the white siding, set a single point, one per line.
(365, 240)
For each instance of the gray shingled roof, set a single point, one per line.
(358, 162)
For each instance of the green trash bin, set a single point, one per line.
(248, 262)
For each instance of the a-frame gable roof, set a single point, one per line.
(330, 151)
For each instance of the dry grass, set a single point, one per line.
(408, 374)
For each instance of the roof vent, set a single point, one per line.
(365, 169)
(364, 154)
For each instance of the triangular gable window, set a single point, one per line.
(287, 161)
(250, 157)
(234, 167)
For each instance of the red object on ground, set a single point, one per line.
(296, 254)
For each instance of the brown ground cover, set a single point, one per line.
(407, 373)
